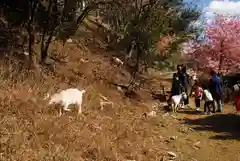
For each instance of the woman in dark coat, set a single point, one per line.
(176, 85)
(185, 83)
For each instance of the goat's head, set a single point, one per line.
(83, 91)
(184, 95)
(54, 99)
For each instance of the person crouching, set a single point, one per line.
(198, 95)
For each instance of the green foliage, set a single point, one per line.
(152, 20)
(143, 21)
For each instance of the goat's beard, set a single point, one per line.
(50, 102)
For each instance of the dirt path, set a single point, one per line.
(194, 136)
(201, 137)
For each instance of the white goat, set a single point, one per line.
(117, 61)
(176, 100)
(236, 87)
(150, 114)
(67, 97)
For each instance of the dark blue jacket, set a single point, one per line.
(216, 87)
(185, 81)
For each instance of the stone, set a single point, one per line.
(172, 154)
(69, 40)
(197, 144)
(173, 137)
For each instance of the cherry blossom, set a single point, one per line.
(220, 49)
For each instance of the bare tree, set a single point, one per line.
(32, 8)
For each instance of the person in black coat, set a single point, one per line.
(177, 82)
(176, 85)
(185, 83)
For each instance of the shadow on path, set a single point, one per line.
(226, 125)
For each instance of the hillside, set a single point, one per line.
(30, 130)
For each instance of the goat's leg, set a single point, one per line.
(183, 104)
(173, 107)
(176, 108)
(60, 111)
(101, 105)
(66, 108)
(79, 108)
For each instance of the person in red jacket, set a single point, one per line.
(236, 94)
(198, 95)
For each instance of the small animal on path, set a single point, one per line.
(67, 97)
(117, 61)
(149, 114)
(177, 100)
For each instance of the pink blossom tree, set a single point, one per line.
(220, 49)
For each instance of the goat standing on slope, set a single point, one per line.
(67, 97)
(117, 61)
(176, 100)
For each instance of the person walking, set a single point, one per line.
(176, 83)
(176, 87)
(184, 78)
(215, 88)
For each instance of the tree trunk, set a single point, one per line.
(32, 57)
(69, 11)
(44, 47)
(136, 67)
(47, 44)
(221, 59)
(43, 51)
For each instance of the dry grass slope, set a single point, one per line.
(31, 131)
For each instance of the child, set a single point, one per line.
(198, 95)
(208, 102)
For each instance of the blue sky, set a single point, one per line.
(201, 3)
(224, 7)
(230, 8)
(204, 3)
